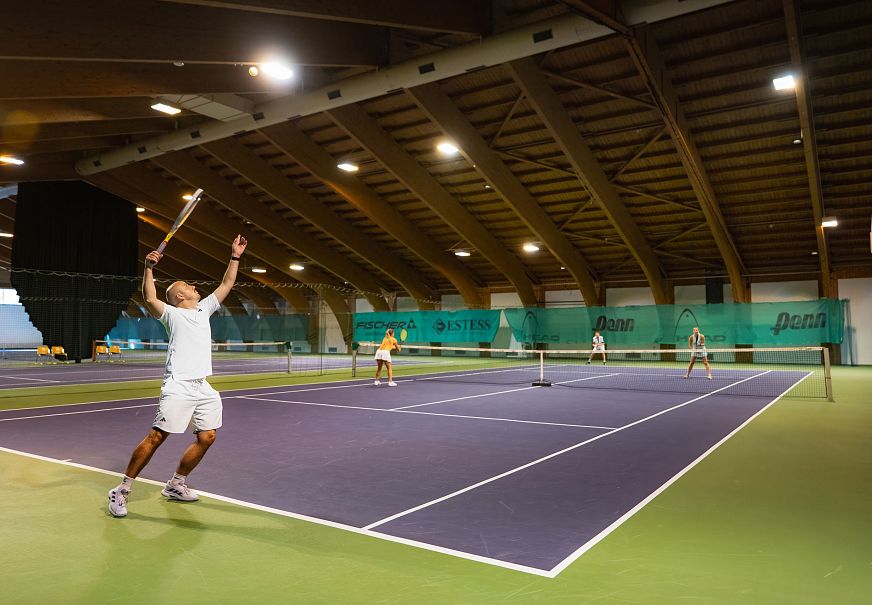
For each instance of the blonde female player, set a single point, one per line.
(383, 357)
(696, 342)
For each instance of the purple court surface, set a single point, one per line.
(519, 476)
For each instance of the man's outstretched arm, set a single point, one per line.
(236, 250)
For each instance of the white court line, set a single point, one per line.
(127, 407)
(33, 379)
(418, 405)
(401, 411)
(550, 456)
(600, 536)
(284, 513)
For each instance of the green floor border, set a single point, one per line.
(780, 513)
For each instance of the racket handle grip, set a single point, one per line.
(162, 246)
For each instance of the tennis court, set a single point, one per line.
(524, 477)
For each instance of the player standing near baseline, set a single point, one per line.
(599, 347)
(383, 357)
(696, 342)
(185, 397)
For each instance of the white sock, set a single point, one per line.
(178, 479)
(126, 483)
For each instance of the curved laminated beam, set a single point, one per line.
(369, 133)
(262, 174)
(645, 53)
(313, 158)
(557, 120)
(433, 100)
(187, 168)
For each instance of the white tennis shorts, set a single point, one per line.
(598, 348)
(186, 403)
(700, 353)
(383, 355)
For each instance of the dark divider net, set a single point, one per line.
(72, 227)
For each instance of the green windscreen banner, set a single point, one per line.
(795, 323)
(428, 326)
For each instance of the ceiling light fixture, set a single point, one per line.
(167, 109)
(4, 234)
(277, 70)
(140, 209)
(447, 148)
(784, 82)
(8, 159)
(296, 267)
(829, 221)
(348, 167)
(530, 247)
(462, 252)
(253, 71)
(814, 253)
(258, 270)
(188, 197)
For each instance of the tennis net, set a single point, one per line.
(764, 372)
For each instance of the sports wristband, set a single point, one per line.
(234, 258)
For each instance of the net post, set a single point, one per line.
(541, 382)
(828, 378)
(288, 350)
(354, 347)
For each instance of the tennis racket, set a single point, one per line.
(180, 220)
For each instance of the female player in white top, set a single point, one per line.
(599, 346)
(696, 342)
(185, 397)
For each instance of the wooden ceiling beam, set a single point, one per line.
(154, 31)
(83, 79)
(367, 131)
(186, 167)
(262, 174)
(444, 113)
(792, 17)
(313, 158)
(14, 115)
(646, 55)
(588, 170)
(448, 16)
(33, 133)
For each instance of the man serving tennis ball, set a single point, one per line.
(186, 398)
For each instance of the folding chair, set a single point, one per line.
(59, 353)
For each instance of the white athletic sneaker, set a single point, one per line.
(377, 382)
(392, 384)
(179, 491)
(118, 502)
(709, 377)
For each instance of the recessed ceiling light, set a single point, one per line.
(167, 109)
(188, 197)
(258, 270)
(277, 70)
(296, 267)
(8, 159)
(814, 253)
(347, 167)
(447, 148)
(563, 268)
(140, 209)
(829, 221)
(4, 234)
(797, 141)
(784, 83)
(462, 253)
(487, 187)
(253, 71)
(529, 247)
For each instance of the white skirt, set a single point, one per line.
(383, 355)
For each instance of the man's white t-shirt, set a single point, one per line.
(189, 354)
(598, 343)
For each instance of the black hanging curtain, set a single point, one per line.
(70, 239)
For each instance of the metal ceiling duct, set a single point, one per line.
(494, 50)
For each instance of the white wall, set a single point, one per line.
(563, 298)
(622, 297)
(690, 295)
(784, 290)
(857, 348)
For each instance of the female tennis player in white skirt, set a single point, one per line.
(383, 357)
(696, 343)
